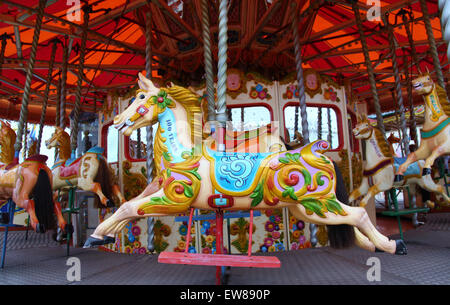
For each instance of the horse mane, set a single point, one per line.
(64, 147)
(191, 103)
(384, 146)
(445, 104)
(7, 145)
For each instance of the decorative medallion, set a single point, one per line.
(313, 82)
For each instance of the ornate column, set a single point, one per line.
(207, 54)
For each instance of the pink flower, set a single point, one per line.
(294, 246)
(276, 234)
(302, 239)
(268, 242)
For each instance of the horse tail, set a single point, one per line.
(341, 236)
(43, 198)
(104, 178)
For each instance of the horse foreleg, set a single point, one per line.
(61, 221)
(420, 154)
(362, 241)
(118, 193)
(90, 185)
(437, 151)
(371, 193)
(360, 191)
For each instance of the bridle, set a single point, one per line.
(141, 111)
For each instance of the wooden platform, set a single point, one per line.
(219, 260)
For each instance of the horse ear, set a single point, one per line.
(147, 85)
(141, 82)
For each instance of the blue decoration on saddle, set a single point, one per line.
(96, 150)
(236, 171)
(413, 168)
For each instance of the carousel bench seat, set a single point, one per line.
(219, 260)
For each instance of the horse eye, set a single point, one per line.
(142, 96)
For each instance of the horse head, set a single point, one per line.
(148, 102)
(59, 138)
(393, 139)
(363, 129)
(423, 85)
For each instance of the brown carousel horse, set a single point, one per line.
(28, 184)
(90, 172)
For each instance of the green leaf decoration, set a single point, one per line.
(318, 180)
(194, 172)
(291, 192)
(313, 205)
(306, 176)
(169, 172)
(188, 192)
(257, 194)
(167, 156)
(283, 160)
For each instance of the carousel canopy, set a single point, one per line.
(259, 39)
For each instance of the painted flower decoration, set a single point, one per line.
(136, 231)
(182, 230)
(268, 242)
(272, 249)
(192, 249)
(206, 250)
(162, 100)
(181, 244)
(294, 246)
(279, 246)
(209, 239)
(263, 249)
(269, 226)
(302, 239)
(142, 250)
(276, 235)
(253, 94)
(296, 234)
(300, 225)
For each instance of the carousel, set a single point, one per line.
(236, 138)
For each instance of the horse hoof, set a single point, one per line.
(68, 229)
(110, 203)
(426, 171)
(400, 248)
(40, 228)
(4, 218)
(398, 178)
(108, 240)
(92, 242)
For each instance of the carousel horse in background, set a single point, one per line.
(191, 175)
(435, 137)
(381, 165)
(90, 172)
(28, 184)
(392, 139)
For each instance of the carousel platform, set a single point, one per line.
(40, 261)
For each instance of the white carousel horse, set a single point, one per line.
(380, 166)
(189, 174)
(90, 172)
(435, 139)
(28, 184)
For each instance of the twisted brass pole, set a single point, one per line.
(398, 85)
(150, 163)
(63, 81)
(302, 98)
(26, 91)
(370, 70)
(47, 89)
(76, 112)
(221, 114)
(432, 43)
(207, 54)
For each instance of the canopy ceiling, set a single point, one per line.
(259, 37)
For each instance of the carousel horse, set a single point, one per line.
(90, 172)
(28, 184)
(191, 175)
(381, 164)
(392, 139)
(435, 137)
